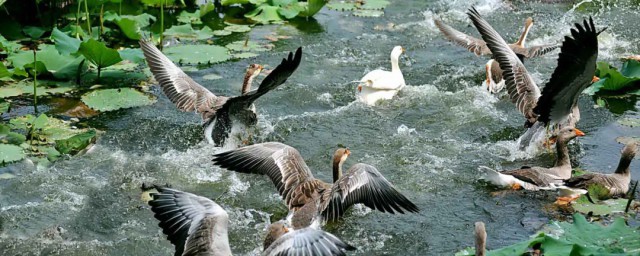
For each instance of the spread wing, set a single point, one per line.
(533, 175)
(308, 242)
(364, 184)
(536, 51)
(188, 221)
(472, 44)
(277, 77)
(522, 89)
(575, 70)
(282, 163)
(185, 93)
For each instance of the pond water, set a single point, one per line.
(428, 141)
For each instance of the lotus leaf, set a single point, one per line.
(99, 54)
(4, 107)
(51, 152)
(157, 3)
(9, 137)
(62, 67)
(221, 32)
(230, 2)
(374, 4)
(113, 99)
(311, 7)
(288, 8)
(238, 28)
(4, 72)
(26, 87)
(602, 207)
(197, 54)
(36, 68)
(64, 44)
(190, 17)
(34, 32)
(245, 55)
(7, 45)
(631, 122)
(187, 32)
(133, 55)
(612, 80)
(206, 9)
(10, 153)
(76, 143)
(341, 6)
(244, 46)
(130, 25)
(265, 14)
(579, 238)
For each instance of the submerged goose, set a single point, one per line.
(535, 178)
(310, 200)
(481, 238)
(617, 183)
(494, 80)
(198, 226)
(218, 112)
(380, 84)
(557, 104)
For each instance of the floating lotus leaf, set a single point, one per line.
(265, 14)
(10, 153)
(113, 99)
(601, 207)
(288, 8)
(238, 28)
(374, 4)
(64, 44)
(245, 55)
(8, 46)
(206, 9)
(230, 2)
(187, 32)
(221, 32)
(4, 107)
(4, 72)
(631, 122)
(157, 3)
(34, 32)
(580, 238)
(368, 13)
(244, 46)
(10, 91)
(211, 77)
(125, 66)
(197, 54)
(130, 25)
(9, 137)
(190, 17)
(341, 6)
(76, 143)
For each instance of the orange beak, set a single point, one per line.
(579, 132)
(595, 79)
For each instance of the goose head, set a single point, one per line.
(252, 72)
(275, 231)
(396, 52)
(566, 134)
(339, 157)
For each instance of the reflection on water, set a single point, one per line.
(428, 141)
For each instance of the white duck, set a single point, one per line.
(380, 84)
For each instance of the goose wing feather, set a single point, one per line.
(474, 45)
(308, 242)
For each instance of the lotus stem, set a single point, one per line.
(161, 24)
(631, 195)
(102, 20)
(78, 21)
(35, 82)
(86, 10)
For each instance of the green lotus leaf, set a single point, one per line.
(206, 9)
(157, 3)
(221, 32)
(288, 8)
(231, 2)
(61, 66)
(265, 14)
(134, 55)
(113, 99)
(76, 143)
(374, 4)
(601, 207)
(190, 17)
(64, 44)
(187, 32)
(130, 25)
(36, 68)
(4, 107)
(9, 46)
(99, 54)
(612, 80)
(245, 46)
(311, 7)
(4, 72)
(34, 32)
(9, 137)
(368, 13)
(341, 6)
(238, 28)
(245, 55)
(10, 153)
(197, 54)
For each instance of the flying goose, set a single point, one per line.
(380, 84)
(198, 226)
(481, 238)
(312, 201)
(218, 112)
(574, 73)
(536, 178)
(494, 80)
(617, 183)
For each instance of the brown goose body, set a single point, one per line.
(617, 183)
(310, 200)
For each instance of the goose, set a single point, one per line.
(617, 183)
(494, 80)
(481, 238)
(219, 113)
(557, 104)
(198, 226)
(380, 84)
(312, 201)
(537, 178)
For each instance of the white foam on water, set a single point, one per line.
(237, 186)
